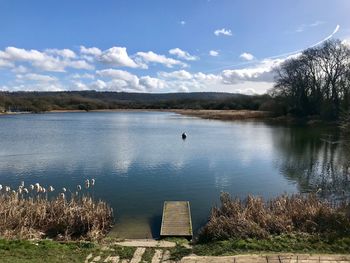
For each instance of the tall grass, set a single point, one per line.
(256, 218)
(39, 212)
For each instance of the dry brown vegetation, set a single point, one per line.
(37, 212)
(255, 218)
(225, 114)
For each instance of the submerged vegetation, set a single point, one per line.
(39, 212)
(257, 219)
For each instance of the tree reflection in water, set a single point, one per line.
(317, 159)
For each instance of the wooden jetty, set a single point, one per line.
(176, 220)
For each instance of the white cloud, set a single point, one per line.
(115, 73)
(36, 77)
(5, 63)
(152, 84)
(82, 76)
(20, 69)
(179, 74)
(183, 22)
(78, 64)
(254, 77)
(223, 31)
(94, 51)
(120, 78)
(117, 56)
(42, 60)
(98, 85)
(65, 53)
(151, 57)
(246, 56)
(181, 54)
(185, 81)
(262, 72)
(78, 85)
(13, 53)
(37, 86)
(214, 53)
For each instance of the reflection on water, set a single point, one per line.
(317, 159)
(139, 160)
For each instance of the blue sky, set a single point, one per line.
(159, 46)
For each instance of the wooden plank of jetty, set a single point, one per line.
(176, 220)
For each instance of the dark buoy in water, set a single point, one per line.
(184, 135)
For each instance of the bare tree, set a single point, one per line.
(317, 81)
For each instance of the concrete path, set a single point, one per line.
(138, 255)
(145, 243)
(161, 254)
(282, 258)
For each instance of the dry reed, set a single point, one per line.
(35, 212)
(255, 218)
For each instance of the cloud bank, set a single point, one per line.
(115, 69)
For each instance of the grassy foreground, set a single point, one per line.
(274, 244)
(16, 251)
(52, 251)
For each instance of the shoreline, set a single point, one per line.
(205, 114)
(224, 115)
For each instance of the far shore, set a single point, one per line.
(224, 114)
(205, 114)
(227, 115)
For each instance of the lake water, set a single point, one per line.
(139, 160)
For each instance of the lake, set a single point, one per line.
(139, 160)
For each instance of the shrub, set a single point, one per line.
(255, 218)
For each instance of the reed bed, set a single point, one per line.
(225, 114)
(33, 212)
(256, 218)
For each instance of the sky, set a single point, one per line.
(159, 46)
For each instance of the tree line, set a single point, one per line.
(92, 100)
(315, 82)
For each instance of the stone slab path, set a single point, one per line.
(145, 243)
(163, 256)
(283, 258)
(160, 253)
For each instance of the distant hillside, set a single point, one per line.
(92, 100)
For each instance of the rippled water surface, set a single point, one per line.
(139, 160)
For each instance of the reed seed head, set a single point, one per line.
(87, 183)
(51, 189)
(78, 187)
(92, 182)
(64, 189)
(0, 187)
(28, 216)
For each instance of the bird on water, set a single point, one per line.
(184, 135)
